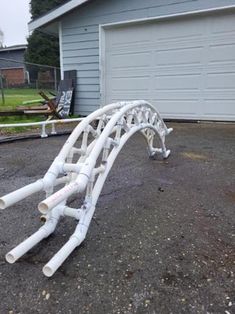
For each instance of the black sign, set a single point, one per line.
(64, 103)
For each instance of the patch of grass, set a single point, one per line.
(19, 119)
(16, 96)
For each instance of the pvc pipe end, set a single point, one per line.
(48, 271)
(2, 204)
(166, 154)
(43, 208)
(169, 130)
(10, 258)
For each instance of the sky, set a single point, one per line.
(14, 17)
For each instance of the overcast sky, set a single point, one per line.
(14, 16)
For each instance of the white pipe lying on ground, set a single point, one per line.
(43, 125)
(50, 268)
(20, 194)
(62, 121)
(116, 123)
(35, 238)
(25, 246)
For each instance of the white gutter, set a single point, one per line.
(45, 19)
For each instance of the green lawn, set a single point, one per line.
(15, 97)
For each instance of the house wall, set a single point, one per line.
(80, 37)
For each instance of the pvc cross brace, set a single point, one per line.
(100, 145)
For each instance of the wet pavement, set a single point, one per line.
(163, 237)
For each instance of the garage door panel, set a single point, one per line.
(130, 35)
(223, 106)
(222, 52)
(177, 69)
(180, 107)
(177, 82)
(128, 84)
(220, 81)
(130, 95)
(177, 95)
(127, 96)
(219, 94)
(177, 56)
(141, 59)
(173, 29)
(220, 67)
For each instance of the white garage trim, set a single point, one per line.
(103, 27)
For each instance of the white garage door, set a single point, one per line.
(184, 66)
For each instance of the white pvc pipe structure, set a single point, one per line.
(43, 125)
(100, 146)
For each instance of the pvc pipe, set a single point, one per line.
(77, 186)
(169, 130)
(29, 243)
(75, 240)
(50, 268)
(12, 125)
(36, 237)
(25, 246)
(72, 212)
(53, 130)
(67, 167)
(61, 180)
(20, 194)
(111, 124)
(58, 197)
(84, 123)
(43, 132)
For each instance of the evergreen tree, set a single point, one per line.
(43, 48)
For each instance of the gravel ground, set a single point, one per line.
(163, 237)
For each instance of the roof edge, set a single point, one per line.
(54, 14)
(15, 47)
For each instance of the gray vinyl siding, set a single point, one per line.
(80, 37)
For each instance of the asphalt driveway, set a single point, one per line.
(163, 237)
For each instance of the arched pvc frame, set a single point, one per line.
(100, 146)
